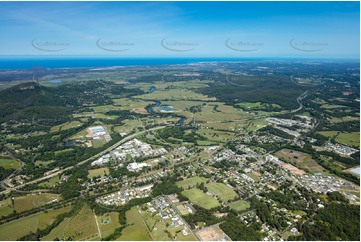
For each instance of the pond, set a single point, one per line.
(356, 171)
(165, 109)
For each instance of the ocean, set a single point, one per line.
(14, 63)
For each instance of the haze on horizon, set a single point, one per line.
(181, 29)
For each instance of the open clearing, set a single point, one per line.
(82, 226)
(191, 182)
(65, 126)
(98, 172)
(222, 191)
(50, 183)
(240, 205)
(219, 112)
(136, 229)
(343, 119)
(214, 135)
(108, 223)
(345, 138)
(183, 211)
(201, 199)
(18, 228)
(8, 163)
(174, 94)
(31, 201)
(212, 233)
(302, 160)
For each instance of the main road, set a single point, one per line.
(9, 189)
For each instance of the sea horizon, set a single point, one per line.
(28, 62)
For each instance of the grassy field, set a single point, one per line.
(134, 105)
(80, 227)
(214, 135)
(183, 211)
(182, 105)
(31, 201)
(136, 229)
(201, 199)
(253, 176)
(128, 125)
(240, 205)
(107, 228)
(5, 207)
(65, 126)
(176, 94)
(232, 126)
(222, 191)
(177, 234)
(8, 163)
(50, 183)
(302, 160)
(219, 112)
(98, 172)
(332, 106)
(256, 124)
(43, 163)
(256, 105)
(98, 143)
(343, 119)
(21, 227)
(352, 138)
(345, 138)
(191, 182)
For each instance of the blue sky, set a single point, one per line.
(179, 29)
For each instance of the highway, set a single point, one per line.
(9, 189)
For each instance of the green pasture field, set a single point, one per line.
(98, 172)
(16, 229)
(81, 226)
(201, 199)
(136, 229)
(31, 201)
(214, 135)
(345, 138)
(239, 205)
(65, 126)
(107, 228)
(191, 182)
(50, 183)
(222, 191)
(253, 176)
(9, 163)
(175, 94)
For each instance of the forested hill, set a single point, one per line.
(24, 101)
